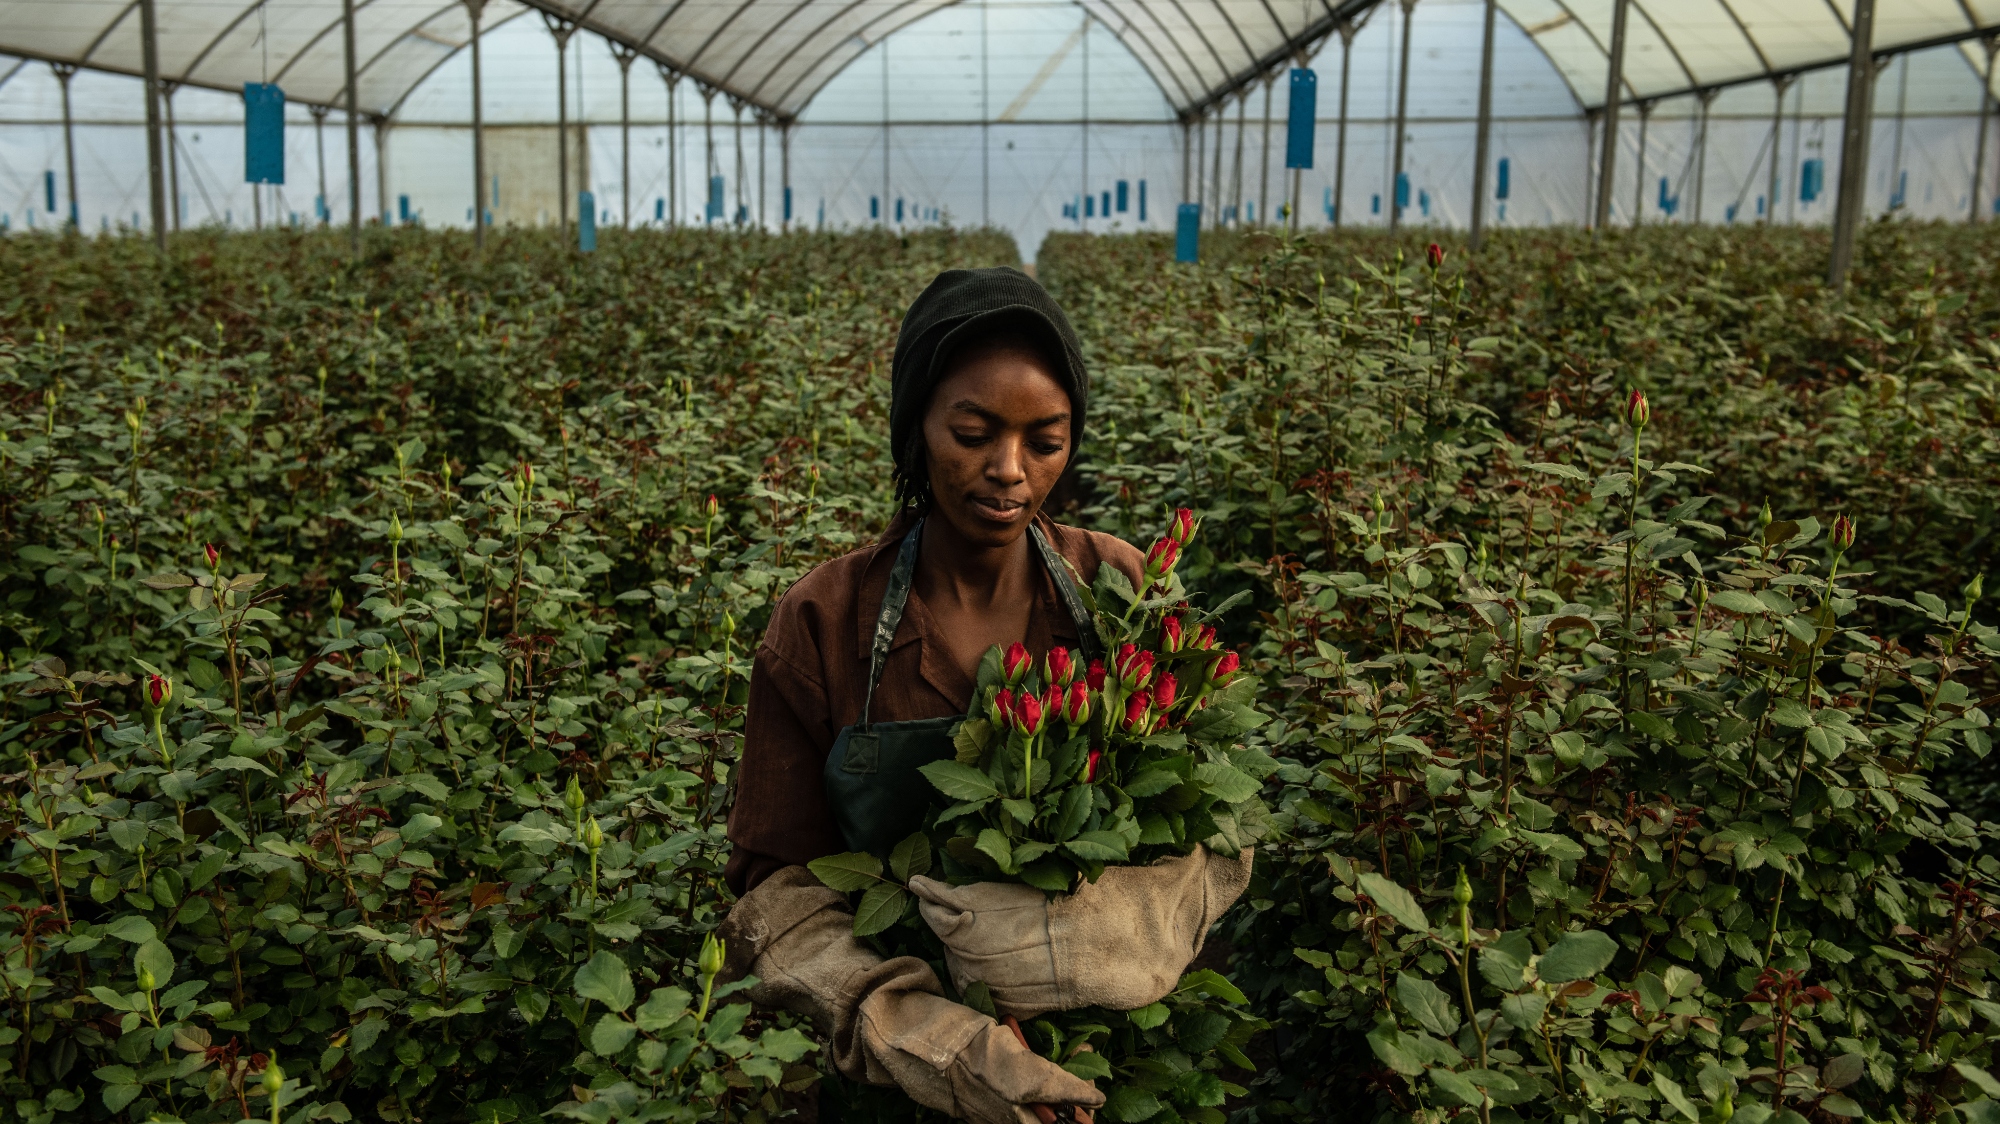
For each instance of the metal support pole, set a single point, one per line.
(1985, 115)
(1236, 174)
(1853, 143)
(785, 173)
(64, 72)
(382, 168)
(1080, 211)
(353, 129)
(624, 55)
(149, 34)
(1590, 119)
(1701, 151)
(1613, 88)
(1896, 144)
(673, 148)
(708, 164)
(1200, 160)
(473, 8)
(1402, 117)
(1187, 158)
(167, 91)
(763, 180)
(1264, 177)
(1482, 153)
(985, 126)
(560, 32)
(885, 132)
(1639, 184)
(319, 146)
(1340, 145)
(1778, 88)
(1219, 197)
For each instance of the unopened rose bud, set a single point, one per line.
(1181, 527)
(1000, 709)
(1173, 636)
(395, 529)
(1462, 892)
(1842, 533)
(1637, 411)
(1094, 675)
(573, 796)
(1224, 668)
(1090, 769)
(274, 1079)
(337, 601)
(1165, 689)
(1028, 716)
(1764, 516)
(1160, 560)
(1134, 667)
(1060, 666)
(1435, 253)
(159, 690)
(1016, 663)
(1974, 588)
(713, 506)
(1137, 713)
(713, 953)
(147, 981)
(213, 555)
(1076, 705)
(593, 835)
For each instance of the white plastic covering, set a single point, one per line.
(1008, 111)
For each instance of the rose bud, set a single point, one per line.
(1136, 717)
(712, 507)
(1161, 559)
(1094, 675)
(1000, 711)
(1637, 412)
(1224, 668)
(1016, 663)
(1435, 253)
(1172, 636)
(1090, 770)
(213, 555)
(1204, 638)
(1842, 534)
(1028, 716)
(1165, 688)
(1076, 705)
(1181, 527)
(1060, 666)
(159, 690)
(1134, 667)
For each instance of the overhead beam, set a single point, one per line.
(1281, 56)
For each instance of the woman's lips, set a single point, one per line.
(999, 510)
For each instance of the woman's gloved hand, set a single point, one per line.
(1120, 942)
(886, 1021)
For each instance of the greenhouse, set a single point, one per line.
(1017, 561)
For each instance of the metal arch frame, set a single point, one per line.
(1313, 32)
(1234, 30)
(797, 8)
(449, 55)
(1194, 71)
(102, 68)
(1158, 59)
(860, 33)
(1221, 68)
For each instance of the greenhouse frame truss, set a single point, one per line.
(362, 58)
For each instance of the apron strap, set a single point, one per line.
(1058, 567)
(894, 599)
(897, 596)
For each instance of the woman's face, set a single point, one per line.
(996, 439)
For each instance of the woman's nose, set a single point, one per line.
(1007, 463)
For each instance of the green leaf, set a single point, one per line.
(848, 872)
(787, 1045)
(662, 1009)
(1456, 1088)
(420, 827)
(911, 858)
(1979, 1077)
(1738, 601)
(1671, 1093)
(1427, 1003)
(611, 1035)
(1095, 846)
(154, 956)
(1229, 784)
(1090, 1066)
(881, 907)
(960, 782)
(1149, 1016)
(1125, 1103)
(1577, 956)
(605, 979)
(1524, 1011)
(1500, 968)
(995, 846)
(131, 927)
(1394, 901)
(1150, 782)
(1212, 982)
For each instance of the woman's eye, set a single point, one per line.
(1047, 448)
(969, 438)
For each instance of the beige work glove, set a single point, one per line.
(1119, 942)
(886, 1021)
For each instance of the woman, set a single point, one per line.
(868, 661)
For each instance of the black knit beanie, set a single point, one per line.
(957, 308)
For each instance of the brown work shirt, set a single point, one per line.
(811, 676)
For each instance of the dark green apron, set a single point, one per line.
(872, 783)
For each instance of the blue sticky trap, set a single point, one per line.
(1500, 186)
(1104, 207)
(1090, 206)
(1299, 120)
(659, 210)
(402, 208)
(49, 189)
(899, 209)
(1124, 197)
(1402, 190)
(263, 133)
(788, 204)
(874, 207)
(715, 210)
(1812, 179)
(1142, 200)
(1375, 203)
(1187, 233)
(586, 221)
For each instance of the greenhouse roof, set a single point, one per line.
(776, 54)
